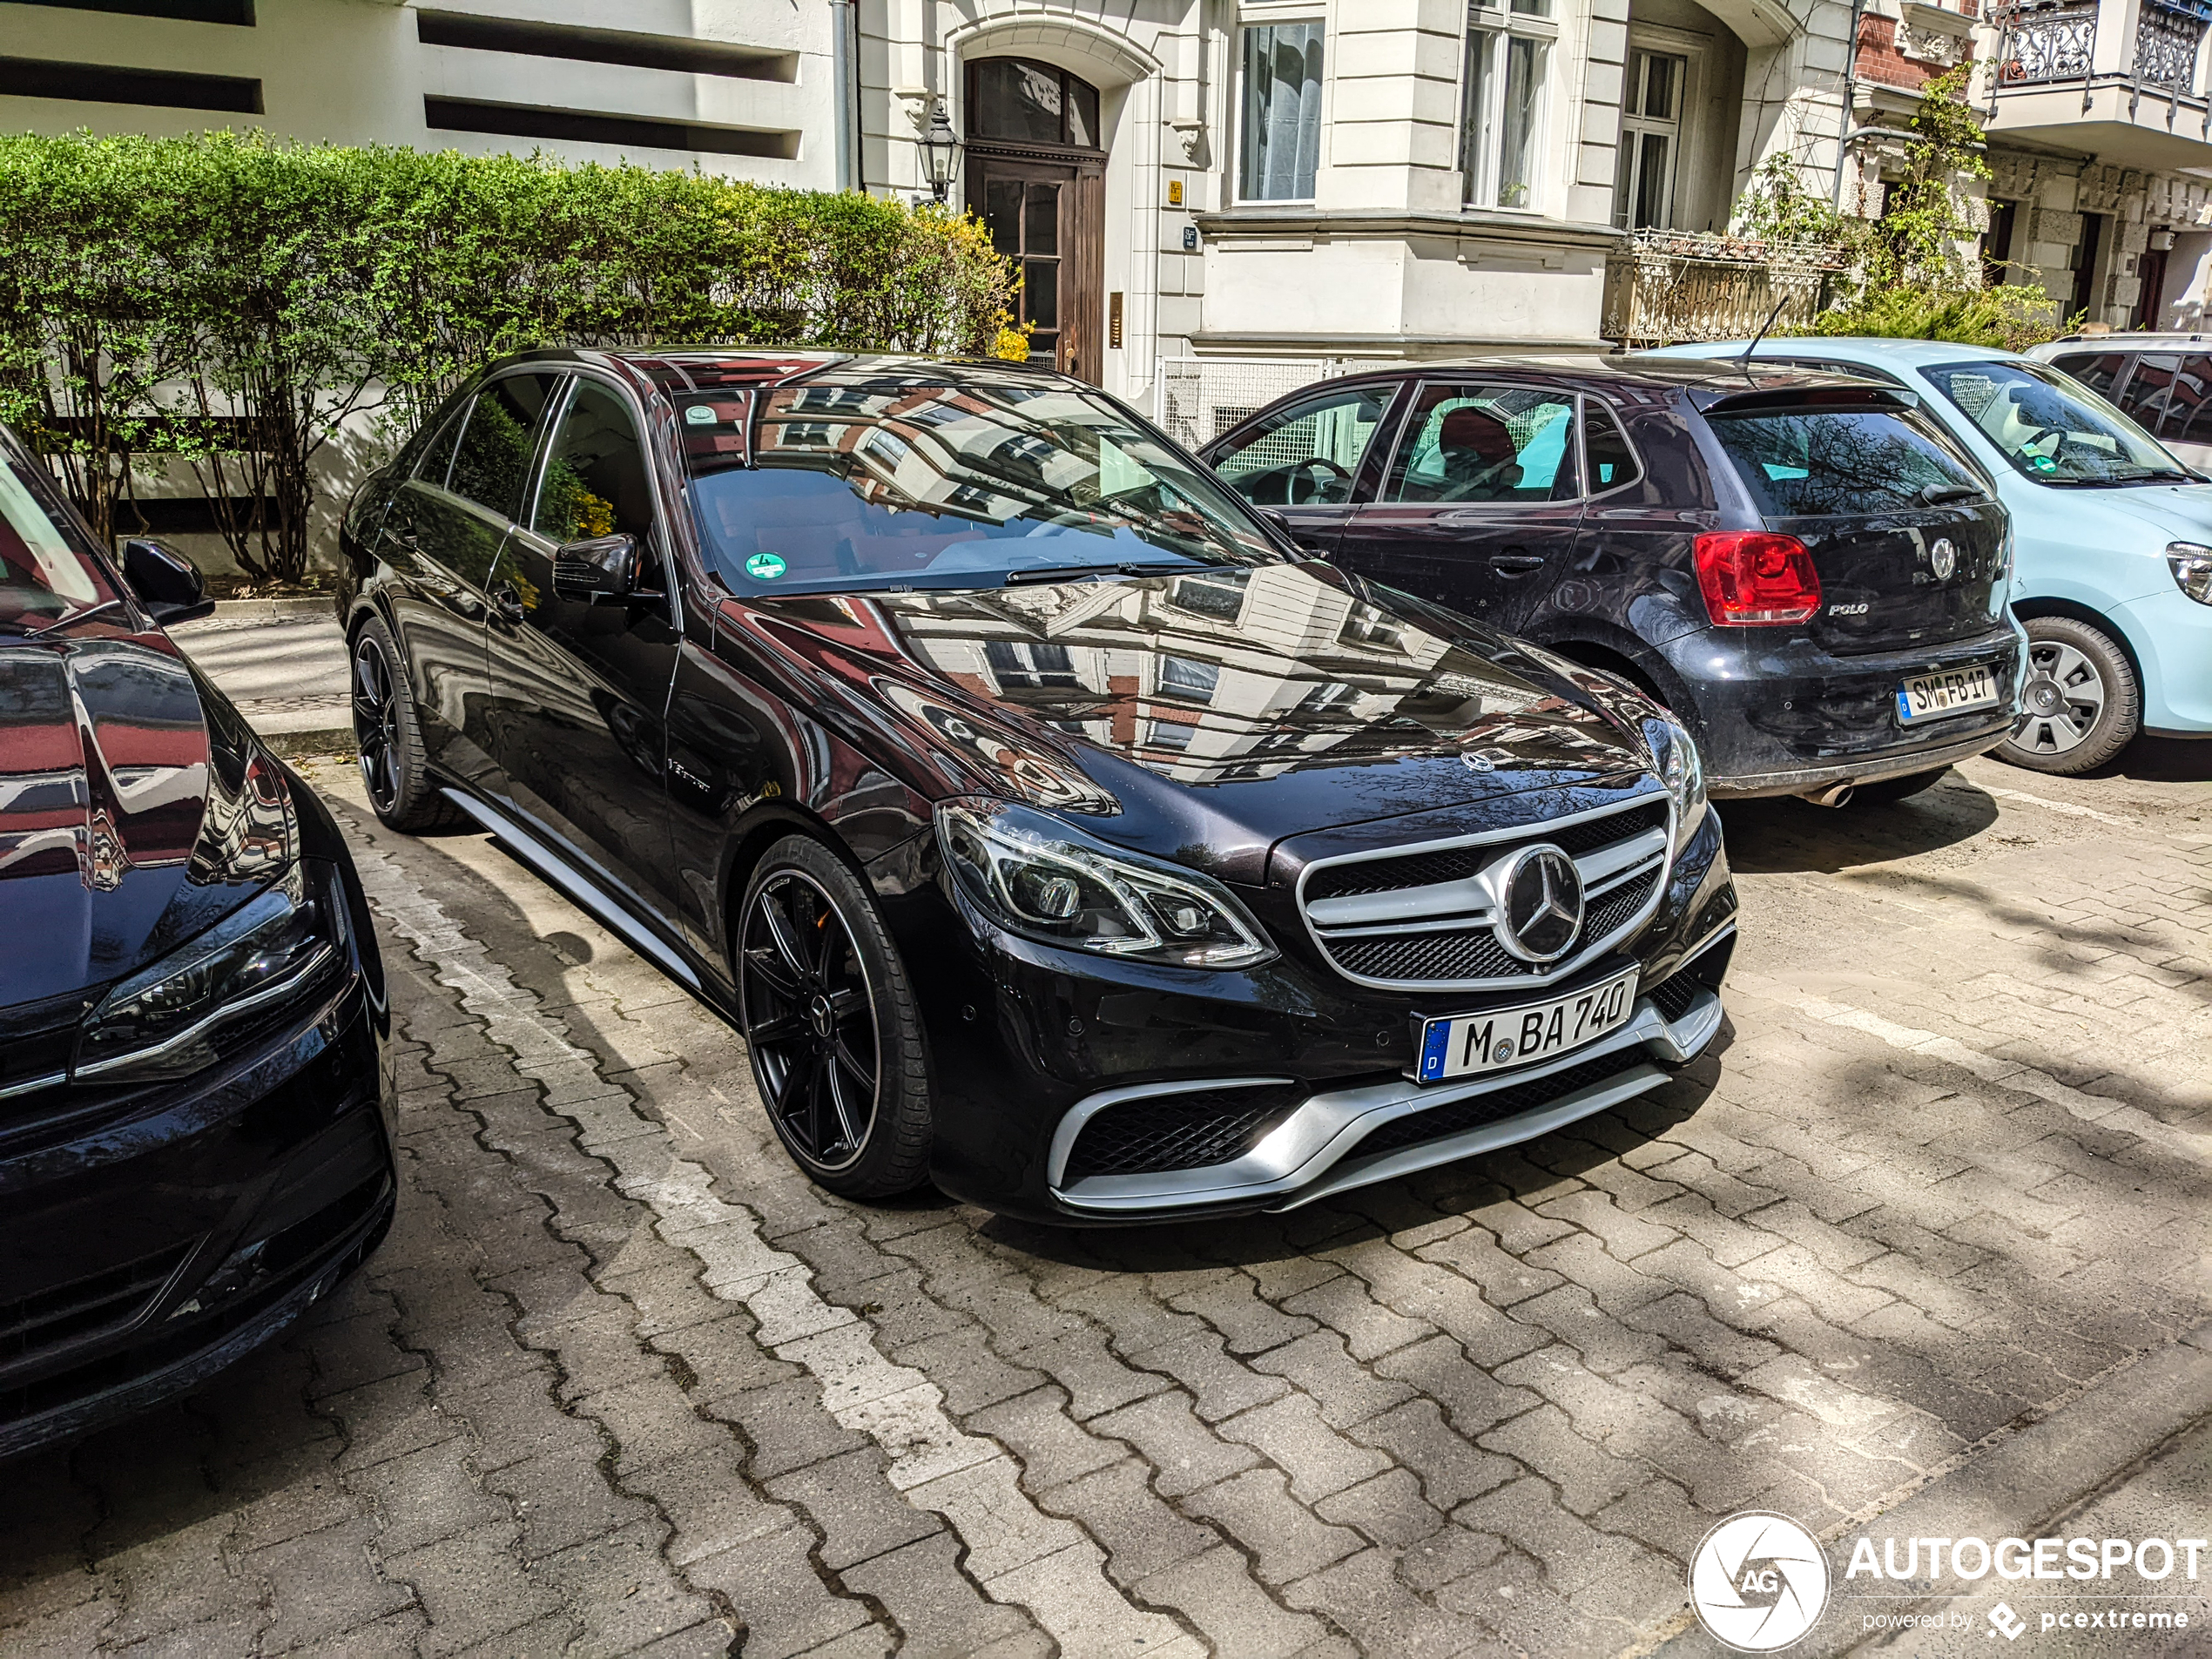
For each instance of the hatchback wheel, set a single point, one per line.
(2081, 705)
(388, 732)
(830, 1025)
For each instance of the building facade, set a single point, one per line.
(1211, 200)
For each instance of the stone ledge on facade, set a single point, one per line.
(1311, 225)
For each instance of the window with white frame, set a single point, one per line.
(1502, 120)
(1279, 132)
(1651, 137)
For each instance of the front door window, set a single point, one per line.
(1307, 455)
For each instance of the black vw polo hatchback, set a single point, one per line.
(1049, 826)
(195, 1101)
(1800, 562)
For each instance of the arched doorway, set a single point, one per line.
(1036, 176)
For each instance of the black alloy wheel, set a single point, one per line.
(376, 726)
(830, 1024)
(388, 732)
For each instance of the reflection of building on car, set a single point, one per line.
(1803, 566)
(1048, 829)
(2114, 534)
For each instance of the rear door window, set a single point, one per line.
(1486, 443)
(2098, 371)
(1606, 453)
(2186, 417)
(1814, 463)
(1307, 455)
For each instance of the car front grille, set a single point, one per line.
(1158, 1133)
(1387, 919)
(1437, 1121)
(32, 1324)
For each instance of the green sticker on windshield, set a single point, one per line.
(765, 567)
(2042, 463)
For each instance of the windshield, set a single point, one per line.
(907, 477)
(1821, 462)
(2052, 428)
(43, 578)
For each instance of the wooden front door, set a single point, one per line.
(1048, 217)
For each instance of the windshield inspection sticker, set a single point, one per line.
(699, 414)
(765, 567)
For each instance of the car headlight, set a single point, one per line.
(161, 1021)
(1039, 877)
(2191, 562)
(1674, 753)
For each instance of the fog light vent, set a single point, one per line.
(1186, 1131)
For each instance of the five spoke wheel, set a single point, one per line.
(376, 728)
(810, 1019)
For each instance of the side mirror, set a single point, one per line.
(166, 581)
(596, 571)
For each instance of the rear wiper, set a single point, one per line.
(1077, 572)
(1936, 495)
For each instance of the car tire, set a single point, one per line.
(1882, 791)
(387, 736)
(2081, 703)
(830, 1025)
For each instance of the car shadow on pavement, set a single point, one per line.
(2160, 760)
(1783, 835)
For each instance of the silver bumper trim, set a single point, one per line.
(1315, 1150)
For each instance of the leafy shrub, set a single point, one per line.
(234, 301)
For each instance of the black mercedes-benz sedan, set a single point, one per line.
(195, 1096)
(1801, 562)
(1049, 826)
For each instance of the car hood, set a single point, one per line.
(1201, 717)
(2175, 512)
(104, 777)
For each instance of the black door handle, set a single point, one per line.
(1516, 563)
(506, 603)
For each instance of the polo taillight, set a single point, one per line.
(1755, 579)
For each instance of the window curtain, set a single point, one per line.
(1282, 136)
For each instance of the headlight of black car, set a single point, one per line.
(1674, 754)
(163, 1021)
(1037, 877)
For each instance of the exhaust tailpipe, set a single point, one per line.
(1834, 795)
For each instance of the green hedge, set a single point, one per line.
(233, 301)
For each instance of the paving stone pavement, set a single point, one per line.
(622, 1382)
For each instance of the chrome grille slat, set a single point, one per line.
(1380, 924)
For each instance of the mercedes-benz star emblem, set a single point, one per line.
(1943, 558)
(1540, 904)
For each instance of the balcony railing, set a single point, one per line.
(2045, 43)
(1665, 286)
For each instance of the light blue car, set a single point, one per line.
(2113, 536)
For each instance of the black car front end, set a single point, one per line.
(1074, 1085)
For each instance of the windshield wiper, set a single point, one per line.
(1077, 572)
(2136, 475)
(73, 616)
(1937, 495)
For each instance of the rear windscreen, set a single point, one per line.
(1818, 464)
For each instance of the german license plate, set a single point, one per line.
(1462, 1045)
(1926, 696)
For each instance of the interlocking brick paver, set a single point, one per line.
(621, 1380)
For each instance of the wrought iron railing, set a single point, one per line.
(1661, 287)
(2167, 38)
(2045, 40)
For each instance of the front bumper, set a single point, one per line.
(1349, 1137)
(151, 1236)
(1783, 717)
(1029, 1044)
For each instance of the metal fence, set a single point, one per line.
(1203, 397)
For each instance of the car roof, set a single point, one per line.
(1639, 370)
(1878, 352)
(2146, 341)
(678, 369)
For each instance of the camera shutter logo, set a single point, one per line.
(1758, 1581)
